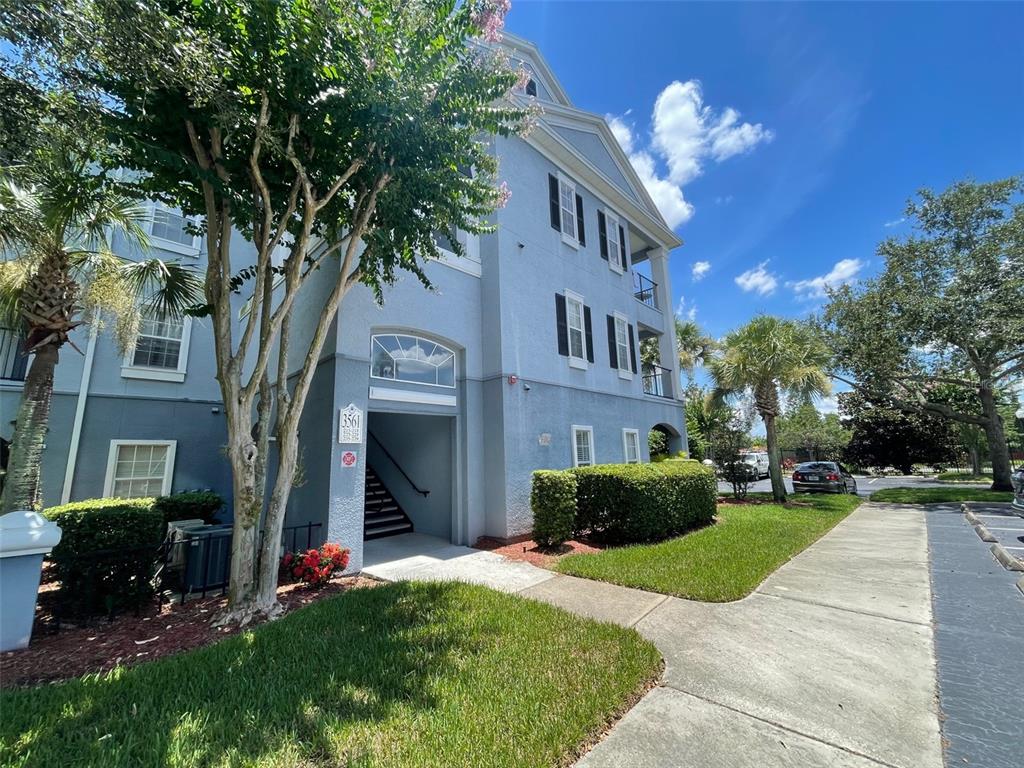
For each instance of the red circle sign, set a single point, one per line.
(348, 458)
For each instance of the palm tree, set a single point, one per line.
(693, 346)
(57, 218)
(764, 358)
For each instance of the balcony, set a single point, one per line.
(658, 381)
(644, 290)
(13, 363)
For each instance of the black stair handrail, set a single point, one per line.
(398, 466)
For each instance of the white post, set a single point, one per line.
(663, 298)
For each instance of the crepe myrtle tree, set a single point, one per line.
(766, 358)
(944, 315)
(342, 134)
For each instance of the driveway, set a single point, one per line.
(865, 485)
(829, 663)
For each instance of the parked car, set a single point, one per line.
(826, 476)
(757, 460)
(1018, 488)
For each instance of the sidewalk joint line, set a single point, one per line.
(649, 611)
(806, 601)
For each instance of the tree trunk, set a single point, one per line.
(975, 456)
(270, 548)
(774, 465)
(998, 450)
(22, 484)
(248, 506)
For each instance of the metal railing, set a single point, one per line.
(13, 363)
(398, 466)
(658, 381)
(644, 290)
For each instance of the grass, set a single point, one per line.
(938, 495)
(400, 675)
(725, 561)
(963, 477)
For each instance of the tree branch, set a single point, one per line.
(924, 406)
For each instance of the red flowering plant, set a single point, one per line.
(316, 566)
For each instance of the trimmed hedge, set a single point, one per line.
(553, 500)
(632, 503)
(95, 578)
(190, 504)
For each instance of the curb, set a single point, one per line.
(1008, 561)
(972, 518)
(1020, 584)
(984, 534)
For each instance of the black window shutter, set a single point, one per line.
(563, 325)
(622, 249)
(556, 211)
(589, 332)
(602, 233)
(580, 234)
(632, 349)
(613, 347)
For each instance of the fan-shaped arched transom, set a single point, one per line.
(402, 357)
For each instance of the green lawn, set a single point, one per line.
(938, 495)
(725, 561)
(964, 477)
(400, 675)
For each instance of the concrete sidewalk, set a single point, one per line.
(829, 663)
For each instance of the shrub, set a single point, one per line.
(189, 505)
(553, 500)
(91, 562)
(657, 442)
(316, 566)
(627, 503)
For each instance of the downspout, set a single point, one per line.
(76, 430)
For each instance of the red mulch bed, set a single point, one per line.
(528, 551)
(129, 639)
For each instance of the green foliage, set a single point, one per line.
(657, 443)
(553, 501)
(624, 503)
(721, 562)
(189, 505)
(404, 675)
(883, 436)
(693, 346)
(96, 574)
(803, 429)
(939, 495)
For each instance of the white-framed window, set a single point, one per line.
(161, 349)
(611, 226)
(567, 210)
(470, 261)
(582, 446)
(577, 330)
(139, 468)
(631, 445)
(402, 357)
(169, 230)
(622, 346)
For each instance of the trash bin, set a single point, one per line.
(25, 537)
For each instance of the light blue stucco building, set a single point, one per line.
(526, 355)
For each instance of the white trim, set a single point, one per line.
(76, 429)
(131, 371)
(449, 350)
(576, 361)
(575, 453)
(470, 263)
(410, 396)
(170, 245)
(626, 433)
(172, 447)
(611, 224)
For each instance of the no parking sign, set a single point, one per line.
(348, 458)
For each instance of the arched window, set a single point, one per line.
(399, 357)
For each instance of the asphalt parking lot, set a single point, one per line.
(865, 485)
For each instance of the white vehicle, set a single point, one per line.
(758, 462)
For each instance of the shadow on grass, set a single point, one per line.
(320, 683)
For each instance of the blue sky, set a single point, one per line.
(844, 111)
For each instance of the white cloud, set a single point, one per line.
(758, 279)
(845, 271)
(684, 133)
(690, 313)
(895, 222)
(828, 404)
(700, 269)
(723, 199)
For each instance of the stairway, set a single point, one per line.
(382, 516)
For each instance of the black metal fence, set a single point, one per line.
(103, 583)
(644, 289)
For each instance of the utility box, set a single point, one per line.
(208, 557)
(25, 538)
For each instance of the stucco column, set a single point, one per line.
(663, 297)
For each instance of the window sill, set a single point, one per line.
(572, 242)
(578, 363)
(625, 375)
(151, 374)
(170, 245)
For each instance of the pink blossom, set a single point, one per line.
(522, 78)
(489, 17)
(504, 194)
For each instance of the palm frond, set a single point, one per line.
(165, 288)
(14, 274)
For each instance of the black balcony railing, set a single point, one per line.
(658, 381)
(13, 363)
(643, 289)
